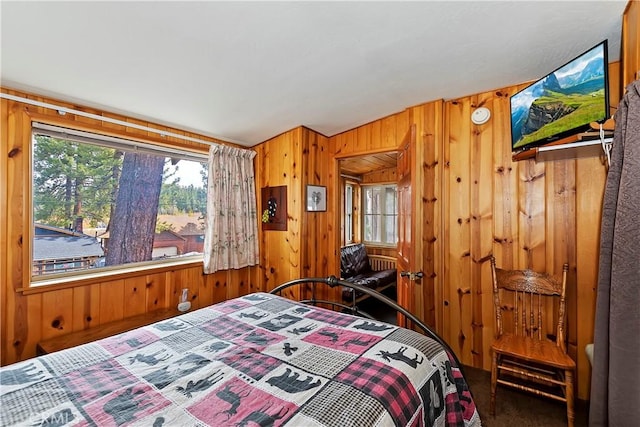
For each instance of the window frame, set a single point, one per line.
(349, 217)
(382, 215)
(35, 284)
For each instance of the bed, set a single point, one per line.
(260, 359)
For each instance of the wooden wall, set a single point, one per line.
(631, 43)
(474, 201)
(32, 314)
(527, 214)
(308, 247)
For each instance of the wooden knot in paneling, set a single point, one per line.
(534, 177)
(58, 323)
(14, 152)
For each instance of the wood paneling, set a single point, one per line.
(476, 201)
(38, 313)
(369, 163)
(527, 214)
(428, 119)
(308, 247)
(375, 137)
(631, 43)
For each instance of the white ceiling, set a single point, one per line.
(247, 71)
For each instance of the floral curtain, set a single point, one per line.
(231, 234)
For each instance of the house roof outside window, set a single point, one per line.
(52, 243)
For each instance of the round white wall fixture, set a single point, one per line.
(480, 115)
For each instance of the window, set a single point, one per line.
(101, 202)
(348, 213)
(380, 214)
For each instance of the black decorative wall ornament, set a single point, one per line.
(274, 208)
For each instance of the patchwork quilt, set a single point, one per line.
(258, 360)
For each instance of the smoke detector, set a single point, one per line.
(480, 115)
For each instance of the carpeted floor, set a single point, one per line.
(516, 408)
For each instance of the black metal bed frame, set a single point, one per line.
(333, 281)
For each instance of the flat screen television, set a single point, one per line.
(562, 103)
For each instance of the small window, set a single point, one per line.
(348, 214)
(380, 214)
(101, 202)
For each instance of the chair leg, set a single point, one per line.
(569, 395)
(494, 382)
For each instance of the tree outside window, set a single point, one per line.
(98, 206)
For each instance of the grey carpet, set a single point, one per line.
(516, 408)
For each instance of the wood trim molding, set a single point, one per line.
(70, 123)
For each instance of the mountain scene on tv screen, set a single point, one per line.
(567, 99)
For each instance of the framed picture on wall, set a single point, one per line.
(316, 198)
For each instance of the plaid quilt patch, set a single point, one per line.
(323, 361)
(227, 328)
(88, 384)
(331, 317)
(231, 306)
(128, 341)
(250, 362)
(185, 340)
(276, 305)
(386, 384)
(256, 360)
(25, 403)
(329, 407)
(86, 355)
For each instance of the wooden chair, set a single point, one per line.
(528, 353)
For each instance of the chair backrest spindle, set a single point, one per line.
(531, 306)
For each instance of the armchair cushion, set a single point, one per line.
(354, 260)
(355, 267)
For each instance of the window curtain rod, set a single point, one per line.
(355, 178)
(115, 143)
(109, 119)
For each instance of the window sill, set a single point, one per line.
(380, 245)
(72, 281)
